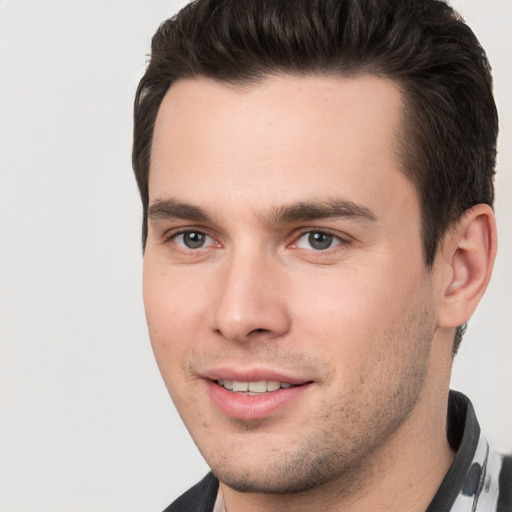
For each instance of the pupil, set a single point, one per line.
(320, 241)
(193, 240)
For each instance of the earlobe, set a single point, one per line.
(468, 253)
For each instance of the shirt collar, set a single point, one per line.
(472, 482)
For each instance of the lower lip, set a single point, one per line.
(253, 407)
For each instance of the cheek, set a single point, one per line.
(174, 319)
(364, 321)
(341, 305)
(173, 314)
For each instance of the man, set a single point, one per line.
(317, 185)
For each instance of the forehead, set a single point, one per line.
(283, 136)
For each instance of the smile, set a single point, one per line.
(255, 399)
(253, 387)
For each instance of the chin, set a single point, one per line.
(278, 473)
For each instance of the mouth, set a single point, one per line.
(256, 398)
(254, 388)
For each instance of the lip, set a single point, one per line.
(253, 375)
(253, 407)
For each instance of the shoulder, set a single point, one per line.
(200, 498)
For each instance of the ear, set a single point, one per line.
(467, 257)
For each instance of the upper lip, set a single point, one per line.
(252, 375)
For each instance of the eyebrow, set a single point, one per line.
(324, 209)
(168, 209)
(302, 211)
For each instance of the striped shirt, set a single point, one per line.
(479, 479)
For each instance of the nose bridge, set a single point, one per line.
(251, 298)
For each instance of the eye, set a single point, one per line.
(317, 240)
(192, 239)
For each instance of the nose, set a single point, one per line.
(252, 300)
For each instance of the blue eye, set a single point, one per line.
(317, 240)
(192, 239)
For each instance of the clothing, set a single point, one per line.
(479, 479)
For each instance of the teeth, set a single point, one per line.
(258, 387)
(240, 386)
(255, 387)
(274, 385)
(228, 384)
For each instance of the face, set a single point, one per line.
(288, 303)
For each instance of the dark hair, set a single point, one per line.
(450, 119)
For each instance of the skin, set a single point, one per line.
(364, 323)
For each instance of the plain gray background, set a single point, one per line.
(86, 421)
